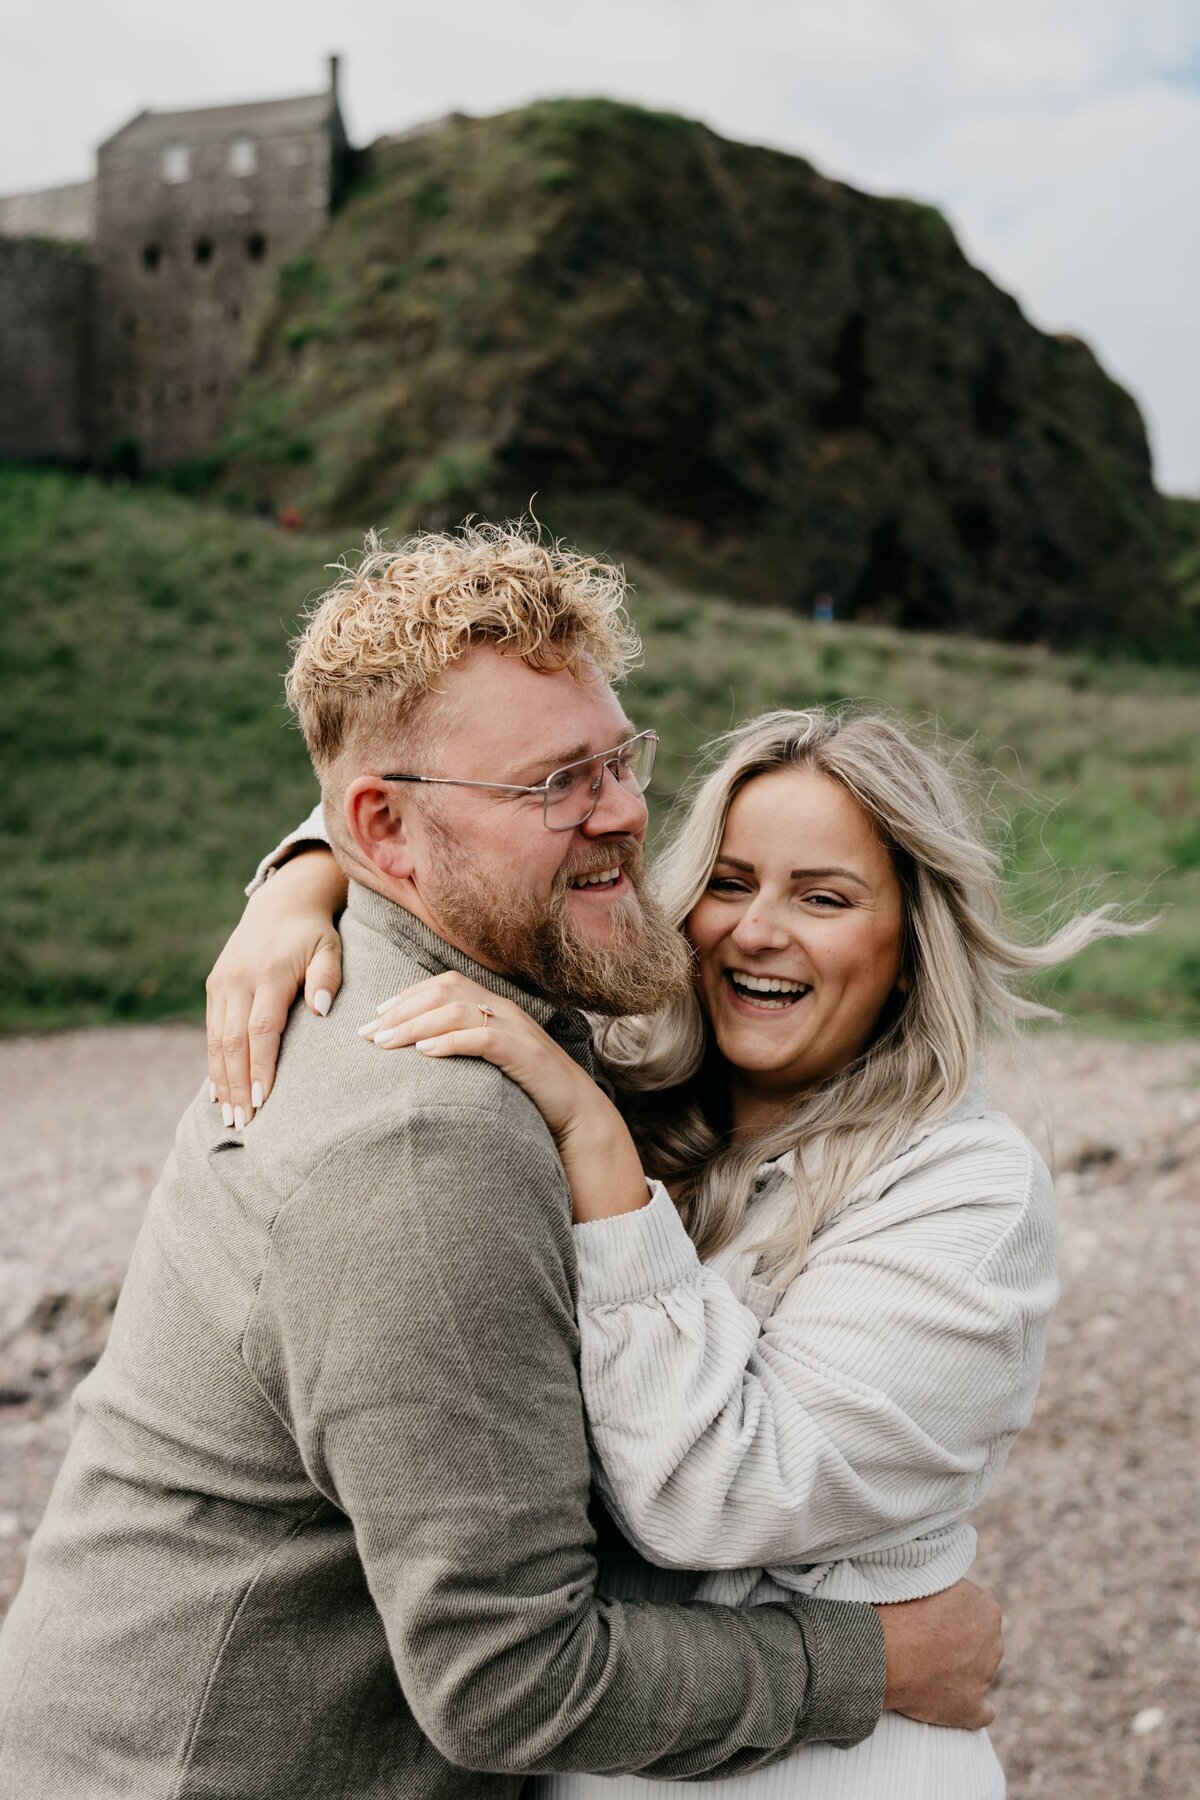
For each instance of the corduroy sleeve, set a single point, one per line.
(877, 1400)
(415, 1326)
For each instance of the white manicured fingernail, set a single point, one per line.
(239, 1118)
(212, 1091)
(369, 1030)
(322, 1001)
(427, 1044)
(382, 1006)
(256, 1095)
(227, 1115)
(388, 1037)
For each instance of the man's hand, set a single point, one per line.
(942, 1656)
(286, 939)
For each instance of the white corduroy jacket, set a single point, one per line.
(830, 1437)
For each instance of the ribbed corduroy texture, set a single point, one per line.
(322, 1528)
(832, 1435)
(901, 1760)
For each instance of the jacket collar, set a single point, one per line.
(564, 1024)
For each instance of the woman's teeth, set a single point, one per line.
(604, 878)
(770, 991)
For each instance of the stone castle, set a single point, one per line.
(124, 301)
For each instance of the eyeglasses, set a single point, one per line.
(571, 795)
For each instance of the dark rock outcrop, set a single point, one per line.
(714, 356)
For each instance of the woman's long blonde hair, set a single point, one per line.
(959, 966)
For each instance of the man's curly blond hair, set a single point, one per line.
(375, 645)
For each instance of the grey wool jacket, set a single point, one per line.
(322, 1529)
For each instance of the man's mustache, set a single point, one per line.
(614, 853)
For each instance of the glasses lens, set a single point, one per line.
(572, 793)
(569, 796)
(635, 764)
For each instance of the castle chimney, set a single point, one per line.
(335, 63)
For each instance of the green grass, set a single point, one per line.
(148, 760)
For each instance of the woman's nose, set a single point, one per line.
(760, 928)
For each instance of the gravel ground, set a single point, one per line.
(1092, 1537)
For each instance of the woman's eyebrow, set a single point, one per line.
(800, 874)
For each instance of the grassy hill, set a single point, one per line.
(761, 379)
(148, 760)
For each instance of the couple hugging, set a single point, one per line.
(566, 1405)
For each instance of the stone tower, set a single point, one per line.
(193, 209)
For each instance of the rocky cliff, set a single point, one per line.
(711, 355)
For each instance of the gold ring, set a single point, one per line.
(487, 1013)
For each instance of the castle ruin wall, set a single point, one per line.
(45, 314)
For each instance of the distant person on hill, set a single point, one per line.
(804, 1358)
(322, 1528)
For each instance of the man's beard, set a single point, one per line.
(645, 963)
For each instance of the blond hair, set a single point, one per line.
(374, 646)
(959, 966)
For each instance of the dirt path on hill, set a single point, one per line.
(1094, 1534)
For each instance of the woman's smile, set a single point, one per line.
(766, 993)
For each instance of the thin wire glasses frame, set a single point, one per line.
(570, 795)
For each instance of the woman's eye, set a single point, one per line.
(722, 884)
(826, 900)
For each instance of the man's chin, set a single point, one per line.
(628, 961)
(601, 921)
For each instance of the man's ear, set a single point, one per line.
(376, 824)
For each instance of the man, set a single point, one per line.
(322, 1527)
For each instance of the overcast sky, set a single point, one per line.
(1061, 137)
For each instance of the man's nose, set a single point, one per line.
(619, 811)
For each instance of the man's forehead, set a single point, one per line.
(527, 717)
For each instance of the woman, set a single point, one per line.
(805, 1359)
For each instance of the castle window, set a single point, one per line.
(131, 400)
(202, 250)
(292, 155)
(129, 325)
(235, 311)
(176, 163)
(243, 156)
(256, 246)
(151, 257)
(184, 394)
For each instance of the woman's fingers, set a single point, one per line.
(428, 996)
(235, 1051)
(476, 1040)
(268, 1016)
(218, 1086)
(457, 1016)
(323, 977)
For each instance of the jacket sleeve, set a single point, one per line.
(876, 1402)
(415, 1328)
(308, 835)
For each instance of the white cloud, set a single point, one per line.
(1061, 136)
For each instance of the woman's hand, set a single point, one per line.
(451, 1015)
(285, 939)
